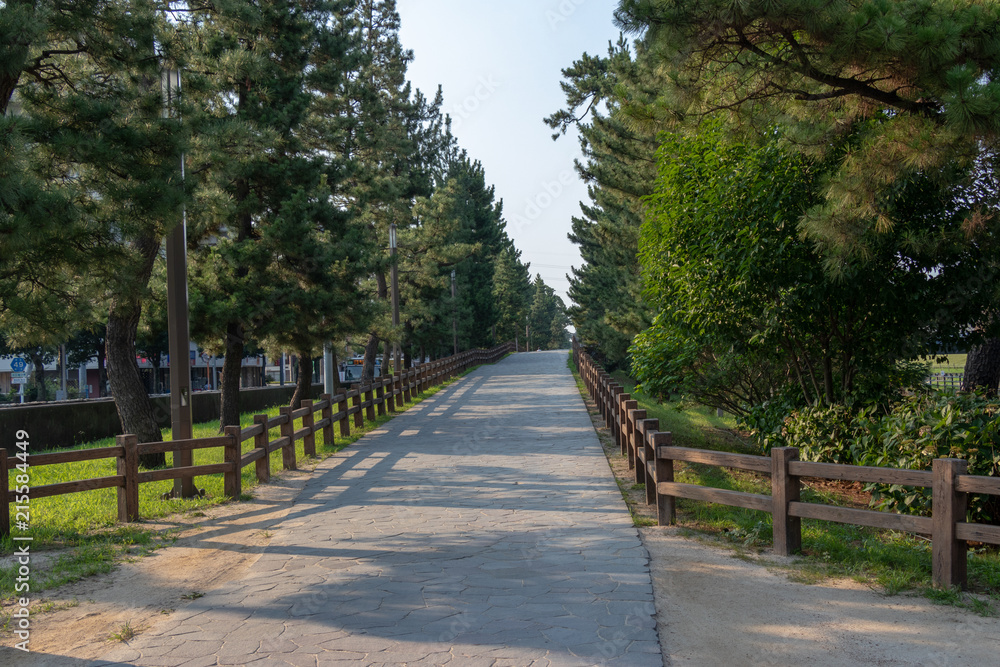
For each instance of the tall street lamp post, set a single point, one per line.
(454, 314)
(177, 319)
(394, 277)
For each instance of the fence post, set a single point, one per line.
(634, 417)
(128, 467)
(407, 377)
(621, 412)
(309, 421)
(602, 394)
(345, 421)
(613, 424)
(649, 429)
(328, 439)
(666, 507)
(370, 400)
(380, 396)
(389, 400)
(785, 488)
(4, 495)
(232, 480)
(261, 441)
(950, 562)
(288, 431)
(359, 418)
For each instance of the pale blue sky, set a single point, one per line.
(500, 64)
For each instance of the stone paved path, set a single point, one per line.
(482, 527)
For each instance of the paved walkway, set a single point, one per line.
(482, 527)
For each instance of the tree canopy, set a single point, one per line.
(293, 144)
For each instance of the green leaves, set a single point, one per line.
(817, 69)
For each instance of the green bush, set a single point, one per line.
(835, 434)
(766, 422)
(914, 431)
(932, 426)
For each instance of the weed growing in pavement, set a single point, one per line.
(124, 633)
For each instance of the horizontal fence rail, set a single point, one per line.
(320, 416)
(949, 381)
(651, 455)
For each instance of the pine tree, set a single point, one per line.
(285, 255)
(395, 144)
(619, 167)
(482, 227)
(96, 148)
(512, 292)
(547, 318)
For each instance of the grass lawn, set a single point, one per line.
(891, 561)
(953, 363)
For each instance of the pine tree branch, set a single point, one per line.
(846, 86)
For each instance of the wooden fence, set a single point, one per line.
(651, 455)
(384, 395)
(949, 381)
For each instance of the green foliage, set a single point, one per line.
(608, 308)
(459, 228)
(745, 306)
(910, 434)
(834, 434)
(930, 426)
(816, 68)
(512, 290)
(547, 319)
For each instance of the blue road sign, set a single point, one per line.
(18, 365)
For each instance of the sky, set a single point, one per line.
(500, 65)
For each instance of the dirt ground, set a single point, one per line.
(714, 606)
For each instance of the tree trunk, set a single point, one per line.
(982, 367)
(828, 379)
(371, 347)
(231, 368)
(303, 387)
(336, 374)
(136, 411)
(38, 366)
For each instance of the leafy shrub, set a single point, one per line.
(936, 425)
(766, 422)
(835, 434)
(913, 432)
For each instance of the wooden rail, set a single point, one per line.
(652, 456)
(384, 393)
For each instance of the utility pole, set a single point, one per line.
(454, 313)
(394, 278)
(177, 319)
